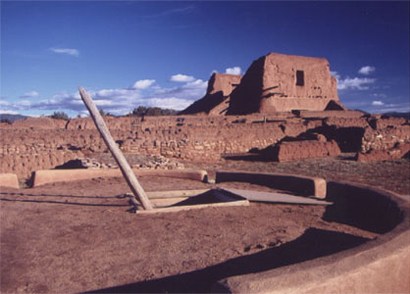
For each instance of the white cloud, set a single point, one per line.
(24, 103)
(4, 102)
(366, 70)
(197, 84)
(30, 94)
(103, 102)
(377, 103)
(181, 78)
(118, 101)
(117, 94)
(378, 106)
(172, 103)
(335, 74)
(354, 83)
(8, 112)
(67, 51)
(236, 70)
(143, 84)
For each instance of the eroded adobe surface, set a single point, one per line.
(278, 82)
(217, 97)
(273, 83)
(26, 147)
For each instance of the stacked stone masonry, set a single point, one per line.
(26, 147)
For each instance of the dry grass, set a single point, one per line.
(390, 175)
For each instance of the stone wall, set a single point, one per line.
(385, 133)
(299, 150)
(24, 150)
(29, 146)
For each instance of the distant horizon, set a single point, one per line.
(161, 54)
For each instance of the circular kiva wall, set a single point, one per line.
(381, 265)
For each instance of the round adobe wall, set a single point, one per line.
(381, 265)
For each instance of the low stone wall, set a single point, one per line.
(298, 150)
(381, 265)
(385, 138)
(397, 152)
(43, 177)
(302, 185)
(9, 180)
(44, 143)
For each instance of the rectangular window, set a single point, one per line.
(300, 78)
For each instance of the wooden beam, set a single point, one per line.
(190, 207)
(167, 202)
(175, 193)
(125, 168)
(275, 197)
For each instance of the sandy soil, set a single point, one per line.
(77, 237)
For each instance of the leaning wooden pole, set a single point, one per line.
(125, 168)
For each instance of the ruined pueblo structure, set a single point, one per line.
(273, 83)
(284, 107)
(216, 100)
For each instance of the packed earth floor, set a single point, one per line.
(79, 236)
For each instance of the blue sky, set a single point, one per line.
(131, 53)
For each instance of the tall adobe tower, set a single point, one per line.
(279, 82)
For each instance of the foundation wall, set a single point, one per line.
(378, 266)
(29, 146)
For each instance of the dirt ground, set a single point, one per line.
(79, 236)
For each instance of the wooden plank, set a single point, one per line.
(164, 202)
(42, 177)
(175, 193)
(9, 180)
(125, 168)
(275, 197)
(191, 207)
(302, 185)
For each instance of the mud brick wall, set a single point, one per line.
(386, 133)
(198, 142)
(29, 146)
(23, 150)
(289, 151)
(278, 83)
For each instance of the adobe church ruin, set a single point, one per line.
(273, 83)
(216, 99)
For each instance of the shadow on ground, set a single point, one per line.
(33, 198)
(312, 244)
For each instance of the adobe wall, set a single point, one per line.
(224, 83)
(216, 99)
(271, 84)
(195, 138)
(385, 133)
(280, 70)
(381, 265)
(298, 150)
(25, 150)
